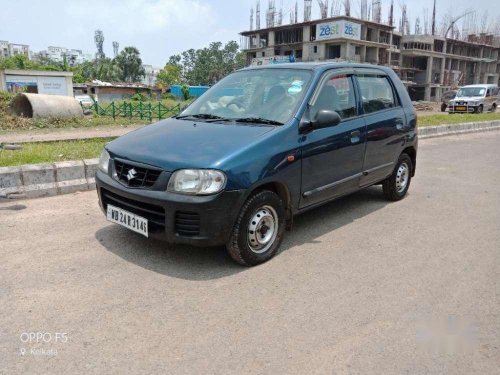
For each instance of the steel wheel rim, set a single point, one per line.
(402, 177)
(262, 229)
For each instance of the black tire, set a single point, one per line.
(238, 245)
(479, 109)
(494, 107)
(392, 191)
(443, 107)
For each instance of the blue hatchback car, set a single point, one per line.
(262, 145)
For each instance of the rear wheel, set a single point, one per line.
(259, 229)
(396, 185)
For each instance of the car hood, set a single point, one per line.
(173, 144)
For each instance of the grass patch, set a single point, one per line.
(49, 152)
(445, 118)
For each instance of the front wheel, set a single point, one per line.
(479, 109)
(259, 229)
(396, 185)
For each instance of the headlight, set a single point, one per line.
(197, 181)
(104, 161)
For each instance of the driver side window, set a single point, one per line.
(336, 94)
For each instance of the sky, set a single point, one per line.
(161, 28)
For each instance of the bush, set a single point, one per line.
(185, 92)
(169, 96)
(139, 97)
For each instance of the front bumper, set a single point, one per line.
(176, 218)
(463, 108)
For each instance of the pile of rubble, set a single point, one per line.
(423, 106)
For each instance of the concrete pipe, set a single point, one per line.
(43, 106)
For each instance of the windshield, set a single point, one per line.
(471, 91)
(258, 95)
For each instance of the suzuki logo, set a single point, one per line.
(131, 174)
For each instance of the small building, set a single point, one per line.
(73, 56)
(8, 49)
(150, 74)
(36, 82)
(109, 92)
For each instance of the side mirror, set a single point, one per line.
(326, 118)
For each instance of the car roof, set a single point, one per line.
(480, 85)
(316, 66)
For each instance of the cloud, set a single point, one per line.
(143, 17)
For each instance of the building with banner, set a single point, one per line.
(344, 38)
(36, 82)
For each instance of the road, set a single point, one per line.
(362, 286)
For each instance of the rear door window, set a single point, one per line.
(376, 93)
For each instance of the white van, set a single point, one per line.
(475, 99)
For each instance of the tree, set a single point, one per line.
(208, 65)
(22, 62)
(130, 64)
(169, 75)
(102, 69)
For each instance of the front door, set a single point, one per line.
(332, 158)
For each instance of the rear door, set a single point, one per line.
(386, 124)
(332, 158)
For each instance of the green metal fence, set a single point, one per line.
(141, 110)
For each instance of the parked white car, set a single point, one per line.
(475, 99)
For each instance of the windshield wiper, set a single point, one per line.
(205, 116)
(257, 120)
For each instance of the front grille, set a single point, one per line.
(144, 177)
(187, 223)
(153, 213)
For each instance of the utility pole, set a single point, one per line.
(434, 19)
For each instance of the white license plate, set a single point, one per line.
(127, 219)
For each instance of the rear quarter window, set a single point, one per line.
(376, 93)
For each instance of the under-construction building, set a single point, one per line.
(431, 65)
(428, 64)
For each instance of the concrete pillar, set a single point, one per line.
(428, 72)
(271, 39)
(322, 51)
(306, 34)
(428, 78)
(389, 55)
(441, 75)
(477, 73)
(363, 54)
(3, 81)
(306, 52)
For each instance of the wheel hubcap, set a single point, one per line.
(402, 177)
(262, 229)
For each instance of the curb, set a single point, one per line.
(44, 180)
(456, 129)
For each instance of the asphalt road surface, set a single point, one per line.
(361, 286)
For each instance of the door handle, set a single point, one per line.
(355, 135)
(399, 123)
